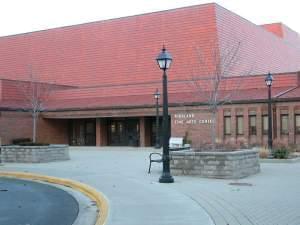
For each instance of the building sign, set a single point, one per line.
(190, 119)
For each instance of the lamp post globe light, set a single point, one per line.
(164, 60)
(157, 97)
(269, 80)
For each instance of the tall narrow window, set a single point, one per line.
(239, 125)
(227, 125)
(252, 125)
(265, 124)
(297, 124)
(284, 124)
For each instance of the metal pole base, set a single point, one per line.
(166, 178)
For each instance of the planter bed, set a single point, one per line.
(224, 165)
(34, 154)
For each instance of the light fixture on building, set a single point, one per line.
(164, 60)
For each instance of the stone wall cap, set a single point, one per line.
(192, 152)
(33, 147)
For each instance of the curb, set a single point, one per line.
(295, 160)
(98, 197)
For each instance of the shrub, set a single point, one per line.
(281, 153)
(18, 141)
(263, 153)
(33, 144)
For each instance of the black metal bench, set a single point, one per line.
(154, 157)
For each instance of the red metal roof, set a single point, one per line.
(112, 62)
(275, 28)
(287, 34)
(148, 100)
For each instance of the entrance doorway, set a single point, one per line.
(123, 132)
(83, 132)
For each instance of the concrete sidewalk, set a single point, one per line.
(269, 198)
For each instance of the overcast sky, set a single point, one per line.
(20, 16)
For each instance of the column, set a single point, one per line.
(233, 124)
(291, 112)
(259, 125)
(101, 132)
(98, 132)
(246, 124)
(142, 132)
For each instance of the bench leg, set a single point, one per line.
(149, 167)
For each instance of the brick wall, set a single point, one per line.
(186, 122)
(53, 131)
(19, 125)
(15, 125)
(195, 125)
(193, 122)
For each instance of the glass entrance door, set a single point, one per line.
(83, 132)
(123, 132)
(90, 133)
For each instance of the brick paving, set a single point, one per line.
(271, 197)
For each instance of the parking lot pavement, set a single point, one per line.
(269, 198)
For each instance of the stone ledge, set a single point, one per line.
(34, 154)
(226, 165)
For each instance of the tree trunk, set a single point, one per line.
(34, 117)
(213, 130)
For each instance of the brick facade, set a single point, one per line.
(15, 125)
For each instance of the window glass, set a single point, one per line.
(240, 125)
(284, 124)
(265, 124)
(113, 128)
(297, 124)
(252, 125)
(227, 125)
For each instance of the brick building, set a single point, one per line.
(104, 76)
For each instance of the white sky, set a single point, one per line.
(20, 16)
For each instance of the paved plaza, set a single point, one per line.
(271, 197)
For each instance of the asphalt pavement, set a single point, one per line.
(33, 203)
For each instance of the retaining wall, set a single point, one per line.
(225, 165)
(34, 154)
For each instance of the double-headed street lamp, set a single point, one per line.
(164, 60)
(269, 80)
(157, 96)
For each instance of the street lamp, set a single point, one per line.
(157, 96)
(164, 60)
(269, 80)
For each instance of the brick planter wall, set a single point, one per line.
(34, 154)
(225, 165)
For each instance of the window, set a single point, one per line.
(252, 125)
(265, 124)
(239, 125)
(227, 125)
(297, 124)
(284, 124)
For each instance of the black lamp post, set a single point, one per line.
(157, 96)
(164, 60)
(269, 80)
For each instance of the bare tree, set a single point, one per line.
(35, 94)
(210, 87)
